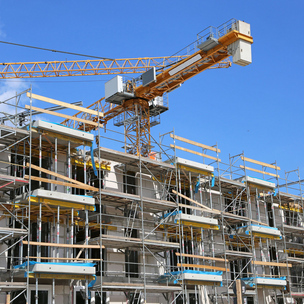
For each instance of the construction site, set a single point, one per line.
(92, 213)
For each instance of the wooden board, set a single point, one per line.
(191, 200)
(63, 259)
(192, 207)
(52, 181)
(112, 237)
(194, 152)
(243, 218)
(201, 257)
(271, 264)
(73, 181)
(239, 296)
(188, 141)
(205, 208)
(259, 171)
(203, 267)
(87, 122)
(62, 245)
(259, 163)
(63, 104)
(60, 276)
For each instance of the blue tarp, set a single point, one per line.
(170, 214)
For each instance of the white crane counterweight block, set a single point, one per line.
(241, 49)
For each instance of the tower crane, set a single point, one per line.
(135, 103)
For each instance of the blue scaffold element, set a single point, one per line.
(93, 162)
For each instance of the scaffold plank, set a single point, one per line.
(56, 182)
(260, 163)
(85, 121)
(63, 259)
(194, 152)
(262, 263)
(61, 245)
(188, 141)
(60, 276)
(125, 286)
(201, 257)
(258, 171)
(202, 267)
(61, 176)
(204, 208)
(63, 104)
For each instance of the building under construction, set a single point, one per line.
(90, 214)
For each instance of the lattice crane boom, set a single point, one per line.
(88, 67)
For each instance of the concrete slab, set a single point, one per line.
(71, 198)
(60, 129)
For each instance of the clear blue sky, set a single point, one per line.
(257, 109)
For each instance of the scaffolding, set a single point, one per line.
(83, 221)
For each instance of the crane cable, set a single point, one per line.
(54, 51)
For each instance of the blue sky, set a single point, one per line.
(257, 109)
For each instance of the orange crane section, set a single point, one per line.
(183, 70)
(191, 66)
(87, 67)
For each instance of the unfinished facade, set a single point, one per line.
(83, 222)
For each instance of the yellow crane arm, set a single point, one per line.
(190, 66)
(87, 67)
(178, 73)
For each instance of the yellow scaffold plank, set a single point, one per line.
(63, 259)
(198, 225)
(205, 283)
(73, 181)
(259, 171)
(85, 121)
(202, 266)
(202, 172)
(194, 152)
(267, 236)
(50, 202)
(55, 182)
(63, 104)
(82, 246)
(188, 141)
(271, 264)
(59, 276)
(89, 164)
(204, 208)
(200, 257)
(259, 163)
